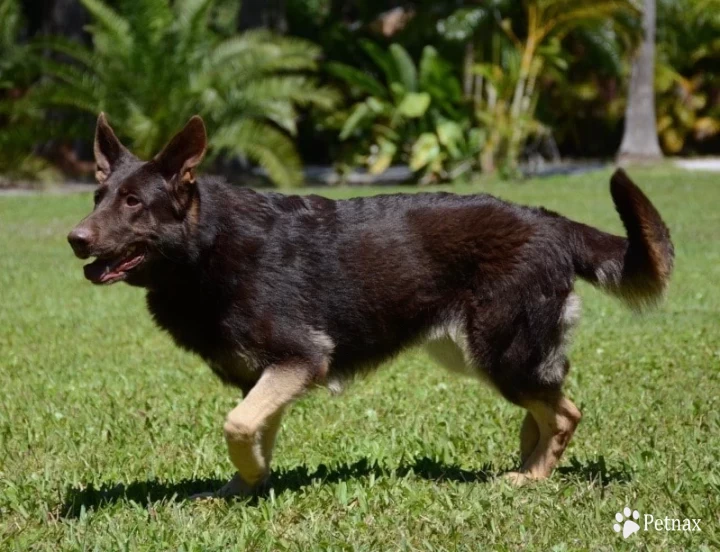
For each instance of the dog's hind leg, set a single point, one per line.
(529, 436)
(251, 427)
(556, 418)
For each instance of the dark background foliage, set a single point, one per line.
(279, 80)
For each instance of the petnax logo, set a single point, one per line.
(628, 523)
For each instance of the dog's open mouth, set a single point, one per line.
(108, 270)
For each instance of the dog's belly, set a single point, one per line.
(447, 344)
(450, 356)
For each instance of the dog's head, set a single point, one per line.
(141, 208)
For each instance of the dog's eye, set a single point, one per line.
(97, 197)
(132, 201)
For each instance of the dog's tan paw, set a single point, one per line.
(236, 487)
(518, 479)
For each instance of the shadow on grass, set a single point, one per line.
(595, 471)
(146, 492)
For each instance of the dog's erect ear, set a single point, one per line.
(108, 149)
(178, 160)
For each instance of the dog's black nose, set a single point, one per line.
(80, 239)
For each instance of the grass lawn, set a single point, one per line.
(106, 427)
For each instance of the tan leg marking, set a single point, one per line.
(266, 437)
(250, 428)
(556, 422)
(529, 437)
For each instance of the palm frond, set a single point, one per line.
(464, 22)
(297, 89)
(361, 81)
(260, 48)
(192, 18)
(144, 130)
(111, 23)
(74, 78)
(50, 95)
(561, 16)
(601, 48)
(79, 53)
(282, 113)
(272, 149)
(150, 21)
(292, 46)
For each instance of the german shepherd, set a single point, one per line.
(282, 293)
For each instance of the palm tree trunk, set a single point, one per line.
(518, 122)
(640, 138)
(468, 63)
(525, 66)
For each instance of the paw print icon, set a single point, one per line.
(626, 522)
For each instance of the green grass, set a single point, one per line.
(106, 427)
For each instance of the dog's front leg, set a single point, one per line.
(251, 427)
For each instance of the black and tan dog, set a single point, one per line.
(283, 293)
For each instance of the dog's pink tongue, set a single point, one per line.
(96, 270)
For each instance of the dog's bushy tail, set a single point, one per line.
(637, 269)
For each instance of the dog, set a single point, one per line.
(283, 293)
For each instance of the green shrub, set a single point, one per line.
(154, 64)
(512, 47)
(413, 114)
(687, 80)
(18, 130)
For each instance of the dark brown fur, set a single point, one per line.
(263, 284)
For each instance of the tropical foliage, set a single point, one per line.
(510, 45)
(154, 64)
(444, 87)
(688, 72)
(17, 72)
(410, 113)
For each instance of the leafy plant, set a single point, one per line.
(17, 73)
(413, 113)
(581, 98)
(511, 44)
(687, 81)
(156, 63)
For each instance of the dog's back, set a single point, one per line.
(371, 274)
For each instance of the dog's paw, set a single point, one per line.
(235, 488)
(517, 479)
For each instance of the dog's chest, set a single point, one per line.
(192, 325)
(202, 330)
